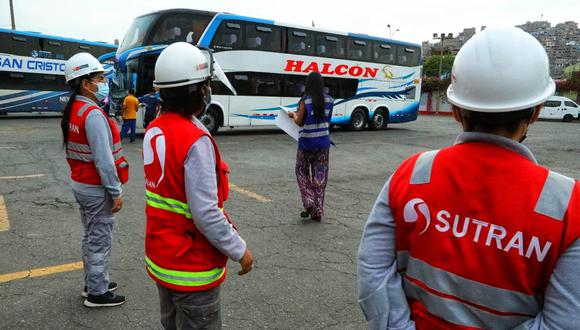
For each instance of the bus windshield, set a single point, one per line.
(135, 36)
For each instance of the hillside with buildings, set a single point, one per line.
(561, 41)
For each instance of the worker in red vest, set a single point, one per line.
(98, 168)
(478, 235)
(189, 236)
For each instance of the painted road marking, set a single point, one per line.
(21, 176)
(4, 224)
(10, 147)
(41, 272)
(250, 194)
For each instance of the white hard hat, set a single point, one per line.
(81, 64)
(180, 64)
(500, 69)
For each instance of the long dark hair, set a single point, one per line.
(315, 89)
(75, 86)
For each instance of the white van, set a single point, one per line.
(561, 108)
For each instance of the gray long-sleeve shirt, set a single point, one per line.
(201, 192)
(380, 290)
(101, 142)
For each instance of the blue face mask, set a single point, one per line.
(102, 92)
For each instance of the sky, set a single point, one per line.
(416, 20)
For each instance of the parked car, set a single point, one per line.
(560, 108)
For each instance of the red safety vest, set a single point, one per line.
(78, 151)
(178, 255)
(479, 229)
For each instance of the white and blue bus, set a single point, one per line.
(373, 80)
(32, 69)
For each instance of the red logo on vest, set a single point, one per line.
(154, 156)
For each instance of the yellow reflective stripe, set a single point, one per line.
(184, 278)
(167, 204)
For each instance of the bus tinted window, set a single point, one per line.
(267, 84)
(179, 27)
(408, 56)
(330, 45)
(18, 44)
(228, 36)
(294, 85)
(32, 81)
(263, 37)
(300, 42)
(384, 52)
(341, 88)
(358, 50)
(136, 34)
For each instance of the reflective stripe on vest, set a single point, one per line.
(167, 204)
(422, 169)
(555, 196)
(182, 278)
(458, 312)
(470, 291)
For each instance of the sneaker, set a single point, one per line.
(108, 299)
(305, 214)
(112, 287)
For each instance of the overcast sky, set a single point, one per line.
(417, 20)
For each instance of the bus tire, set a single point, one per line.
(380, 119)
(568, 118)
(358, 120)
(211, 120)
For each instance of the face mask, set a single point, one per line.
(102, 92)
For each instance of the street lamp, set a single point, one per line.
(390, 32)
(441, 37)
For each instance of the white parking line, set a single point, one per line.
(21, 176)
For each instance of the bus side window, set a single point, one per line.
(293, 85)
(228, 36)
(384, 52)
(300, 42)
(263, 37)
(241, 82)
(330, 45)
(267, 84)
(408, 56)
(358, 50)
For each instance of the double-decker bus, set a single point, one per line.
(32, 69)
(373, 80)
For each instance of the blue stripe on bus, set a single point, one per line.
(215, 23)
(389, 95)
(365, 88)
(402, 85)
(18, 94)
(40, 35)
(13, 104)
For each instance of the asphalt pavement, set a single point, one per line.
(305, 271)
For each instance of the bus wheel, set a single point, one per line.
(358, 120)
(210, 121)
(568, 118)
(379, 119)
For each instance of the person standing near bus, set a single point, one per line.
(151, 102)
(98, 168)
(313, 116)
(478, 235)
(189, 236)
(130, 108)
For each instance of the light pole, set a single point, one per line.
(391, 33)
(12, 15)
(441, 37)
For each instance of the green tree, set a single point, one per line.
(431, 65)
